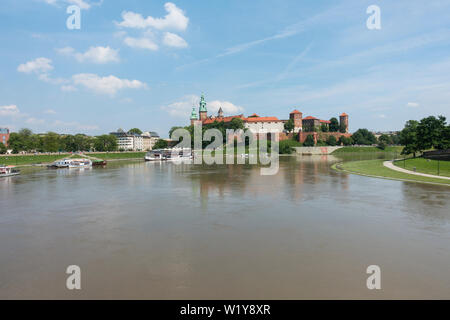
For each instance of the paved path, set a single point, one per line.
(391, 165)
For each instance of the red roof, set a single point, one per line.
(344, 115)
(310, 118)
(295, 111)
(325, 121)
(223, 119)
(262, 119)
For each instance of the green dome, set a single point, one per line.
(202, 104)
(193, 114)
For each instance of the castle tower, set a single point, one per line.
(220, 113)
(297, 117)
(343, 122)
(193, 116)
(202, 110)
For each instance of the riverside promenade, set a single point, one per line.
(389, 164)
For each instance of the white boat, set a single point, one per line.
(80, 163)
(71, 163)
(8, 171)
(169, 155)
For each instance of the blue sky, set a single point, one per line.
(144, 63)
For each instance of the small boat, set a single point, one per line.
(169, 155)
(59, 164)
(99, 162)
(8, 171)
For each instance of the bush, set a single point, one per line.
(346, 141)
(2, 148)
(285, 146)
(331, 141)
(309, 142)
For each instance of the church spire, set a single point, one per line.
(203, 113)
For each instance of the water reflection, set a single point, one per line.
(160, 230)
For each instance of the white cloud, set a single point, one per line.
(412, 104)
(98, 55)
(106, 85)
(39, 65)
(174, 20)
(141, 43)
(10, 110)
(183, 107)
(34, 121)
(63, 125)
(68, 88)
(49, 111)
(173, 40)
(83, 4)
(227, 107)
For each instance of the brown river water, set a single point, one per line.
(165, 231)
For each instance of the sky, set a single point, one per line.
(141, 63)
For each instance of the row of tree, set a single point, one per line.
(428, 133)
(333, 126)
(26, 140)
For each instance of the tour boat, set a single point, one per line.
(169, 154)
(71, 163)
(8, 171)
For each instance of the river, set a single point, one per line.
(164, 231)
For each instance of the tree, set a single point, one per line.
(160, 144)
(364, 136)
(445, 140)
(172, 130)
(309, 142)
(334, 125)
(324, 128)
(289, 125)
(135, 131)
(384, 138)
(346, 141)
(106, 142)
(429, 132)
(51, 142)
(3, 148)
(408, 137)
(331, 141)
(235, 124)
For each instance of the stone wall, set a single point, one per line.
(315, 150)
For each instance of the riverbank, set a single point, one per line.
(426, 166)
(369, 149)
(43, 159)
(376, 169)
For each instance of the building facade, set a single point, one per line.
(135, 142)
(4, 136)
(256, 124)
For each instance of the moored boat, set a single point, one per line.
(8, 171)
(169, 155)
(71, 163)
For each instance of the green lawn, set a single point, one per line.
(375, 168)
(117, 156)
(30, 159)
(426, 166)
(391, 149)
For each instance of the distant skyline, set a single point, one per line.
(145, 63)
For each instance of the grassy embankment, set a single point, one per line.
(391, 149)
(375, 168)
(118, 155)
(425, 166)
(21, 160)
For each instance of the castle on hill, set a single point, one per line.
(302, 126)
